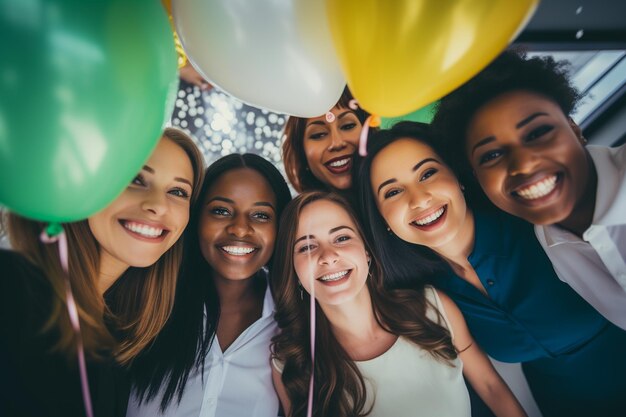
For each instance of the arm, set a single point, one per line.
(477, 367)
(189, 74)
(280, 390)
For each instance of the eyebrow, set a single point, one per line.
(179, 179)
(321, 122)
(519, 125)
(529, 119)
(330, 232)
(415, 168)
(229, 201)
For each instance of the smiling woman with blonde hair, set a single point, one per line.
(123, 268)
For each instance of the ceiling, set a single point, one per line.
(560, 22)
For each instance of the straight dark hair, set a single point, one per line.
(186, 339)
(405, 265)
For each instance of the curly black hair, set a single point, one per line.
(511, 71)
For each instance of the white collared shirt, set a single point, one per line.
(236, 383)
(595, 266)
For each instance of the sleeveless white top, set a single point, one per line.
(408, 381)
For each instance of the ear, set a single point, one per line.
(577, 131)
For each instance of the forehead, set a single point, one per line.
(318, 217)
(168, 157)
(400, 155)
(337, 110)
(513, 104)
(242, 184)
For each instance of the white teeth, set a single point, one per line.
(431, 218)
(339, 163)
(538, 189)
(334, 277)
(238, 250)
(143, 230)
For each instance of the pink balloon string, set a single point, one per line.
(363, 138)
(309, 412)
(52, 234)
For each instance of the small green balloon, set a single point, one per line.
(424, 115)
(85, 90)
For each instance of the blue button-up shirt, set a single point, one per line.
(529, 313)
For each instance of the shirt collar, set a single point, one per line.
(487, 227)
(611, 190)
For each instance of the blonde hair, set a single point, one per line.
(133, 310)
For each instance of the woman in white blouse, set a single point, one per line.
(400, 353)
(212, 358)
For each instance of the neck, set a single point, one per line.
(459, 249)
(353, 320)
(111, 270)
(236, 293)
(582, 215)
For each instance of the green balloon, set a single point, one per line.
(424, 115)
(85, 90)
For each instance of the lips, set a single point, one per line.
(335, 278)
(143, 230)
(339, 165)
(237, 249)
(537, 189)
(431, 219)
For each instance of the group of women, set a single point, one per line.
(493, 231)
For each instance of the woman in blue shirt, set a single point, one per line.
(492, 266)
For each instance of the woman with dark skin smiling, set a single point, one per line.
(212, 358)
(494, 269)
(319, 153)
(511, 129)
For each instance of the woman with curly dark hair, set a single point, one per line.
(378, 353)
(510, 128)
(320, 152)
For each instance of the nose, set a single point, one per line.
(337, 141)
(521, 161)
(419, 197)
(239, 226)
(328, 256)
(155, 202)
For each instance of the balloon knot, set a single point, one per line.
(54, 229)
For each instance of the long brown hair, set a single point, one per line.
(296, 167)
(339, 386)
(133, 310)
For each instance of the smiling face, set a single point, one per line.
(330, 143)
(237, 227)
(528, 157)
(418, 196)
(150, 215)
(329, 250)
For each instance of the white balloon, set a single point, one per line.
(273, 54)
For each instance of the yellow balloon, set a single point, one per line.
(401, 55)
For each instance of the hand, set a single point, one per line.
(190, 75)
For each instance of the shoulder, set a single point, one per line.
(18, 272)
(24, 288)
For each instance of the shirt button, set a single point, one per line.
(490, 282)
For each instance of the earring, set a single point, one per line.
(389, 230)
(462, 187)
(583, 140)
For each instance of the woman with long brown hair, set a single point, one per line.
(123, 268)
(319, 153)
(378, 353)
